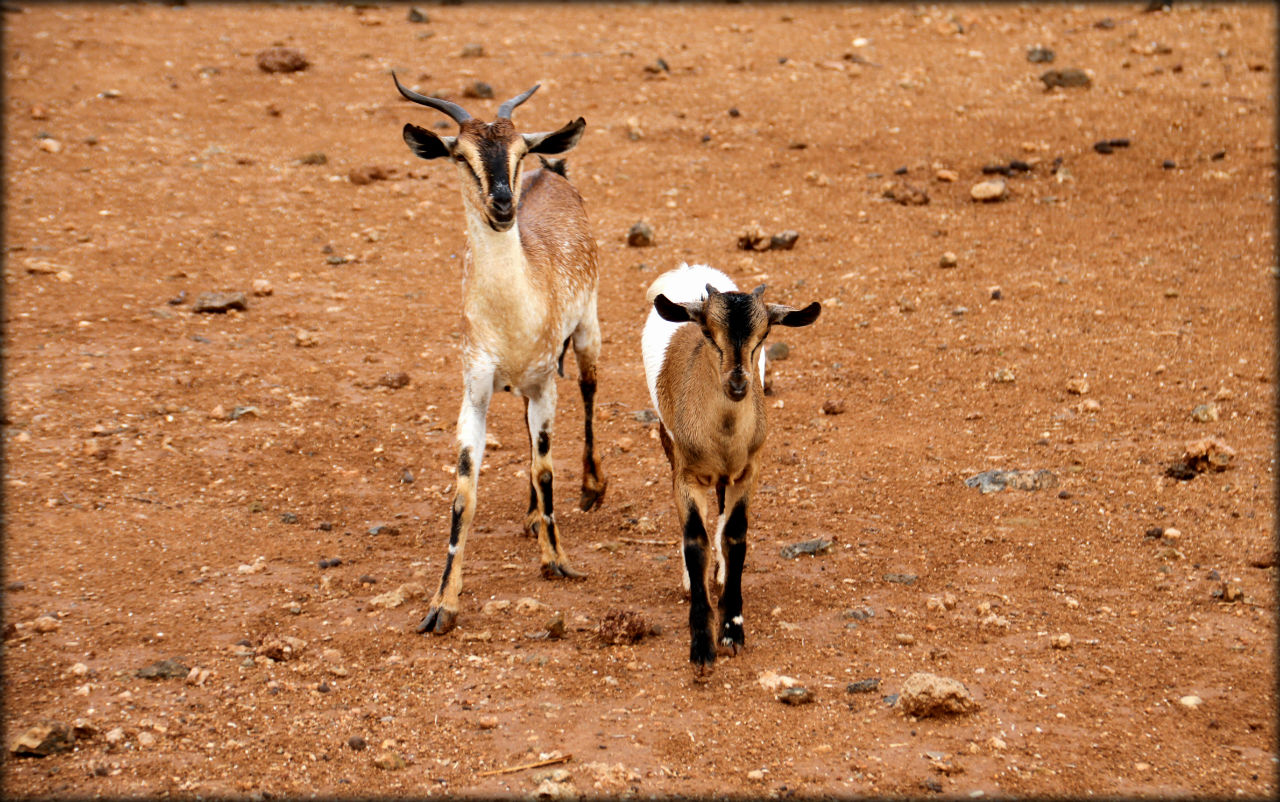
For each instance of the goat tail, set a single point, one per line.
(557, 166)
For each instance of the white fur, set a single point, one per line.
(684, 284)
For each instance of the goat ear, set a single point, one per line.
(426, 145)
(556, 142)
(676, 313)
(780, 315)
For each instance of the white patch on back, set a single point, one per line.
(684, 284)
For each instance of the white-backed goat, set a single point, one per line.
(699, 342)
(529, 290)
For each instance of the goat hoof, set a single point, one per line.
(438, 621)
(561, 571)
(592, 496)
(702, 672)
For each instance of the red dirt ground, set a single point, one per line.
(148, 156)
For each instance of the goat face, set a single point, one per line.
(735, 325)
(488, 155)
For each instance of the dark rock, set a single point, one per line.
(357, 743)
(367, 174)
(1154, 532)
(996, 169)
(1019, 166)
(1040, 55)
(394, 380)
(818, 545)
(1105, 24)
(645, 416)
(905, 194)
(783, 241)
(179, 299)
(640, 235)
(418, 15)
(288, 518)
(1103, 147)
(384, 529)
(864, 686)
(1068, 78)
(221, 302)
(365, 579)
(163, 669)
(324, 526)
(832, 407)
(472, 50)
(281, 59)
(1182, 470)
(478, 89)
(996, 480)
(900, 171)
(859, 613)
(333, 562)
(1121, 142)
(795, 695)
(406, 477)
(777, 352)
(901, 579)
(657, 66)
(932, 784)
(1219, 156)
(734, 113)
(1169, 164)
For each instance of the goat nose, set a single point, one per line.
(737, 387)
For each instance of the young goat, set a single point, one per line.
(529, 289)
(712, 424)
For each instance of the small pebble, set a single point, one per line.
(472, 50)
(640, 235)
(948, 260)
(796, 695)
(994, 189)
(357, 743)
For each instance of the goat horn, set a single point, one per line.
(506, 108)
(758, 291)
(455, 111)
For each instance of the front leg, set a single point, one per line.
(443, 611)
(540, 416)
(689, 503)
(733, 523)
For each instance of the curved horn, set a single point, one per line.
(506, 108)
(455, 111)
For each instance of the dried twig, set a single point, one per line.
(635, 541)
(535, 765)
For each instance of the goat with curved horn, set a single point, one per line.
(455, 111)
(506, 108)
(529, 294)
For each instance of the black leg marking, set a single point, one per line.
(593, 484)
(732, 633)
(439, 620)
(563, 349)
(464, 462)
(544, 443)
(702, 651)
(545, 481)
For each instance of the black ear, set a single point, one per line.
(426, 145)
(780, 315)
(674, 312)
(556, 142)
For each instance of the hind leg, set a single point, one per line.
(540, 416)
(586, 348)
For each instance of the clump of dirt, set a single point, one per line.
(925, 694)
(621, 627)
